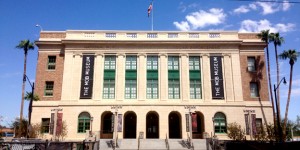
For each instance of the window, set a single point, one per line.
(130, 89)
(152, 62)
(110, 63)
(49, 88)
(259, 125)
(110, 35)
(214, 35)
(109, 89)
(193, 35)
(174, 89)
(220, 123)
(195, 89)
(173, 63)
(253, 89)
(51, 62)
(151, 35)
(172, 35)
(251, 64)
(131, 63)
(194, 63)
(45, 125)
(152, 89)
(83, 122)
(131, 35)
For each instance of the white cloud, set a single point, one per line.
(252, 6)
(184, 7)
(286, 5)
(241, 9)
(201, 19)
(268, 8)
(257, 26)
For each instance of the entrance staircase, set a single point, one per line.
(152, 144)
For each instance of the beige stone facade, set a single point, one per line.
(233, 48)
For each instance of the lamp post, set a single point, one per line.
(279, 129)
(37, 25)
(30, 103)
(91, 132)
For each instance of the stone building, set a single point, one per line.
(150, 84)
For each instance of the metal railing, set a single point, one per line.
(139, 143)
(167, 142)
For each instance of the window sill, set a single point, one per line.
(47, 96)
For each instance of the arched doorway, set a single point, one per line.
(130, 125)
(198, 125)
(107, 125)
(174, 125)
(152, 125)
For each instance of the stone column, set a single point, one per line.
(76, 77)
(98, 76)
(184, 77)
(141, 76)
(67, 77)
(163, 77)
(206, 78)
(120, 77)
(236, 75)
(228, 89)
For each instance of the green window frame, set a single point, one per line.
(130, 89)
(220, 123)
(49, 85)
(51, 62)
(108, 89)
(110, 62)
(131, 62)
(84, 122)
(152, 89)
(174, 89)
(152, 62)
(195, 89)
(194, 63)
(173, 63)
(45, 125)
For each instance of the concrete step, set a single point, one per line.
(152, 144)
(199, 144)
(127, 144)
(178, 144)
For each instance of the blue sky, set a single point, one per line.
(18, 20)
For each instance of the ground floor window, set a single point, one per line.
(220, 123)
(45, 125)
(83, 122)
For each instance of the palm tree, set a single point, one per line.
(25, 45)
(291, 54)
(277, 40)
(30, 98)
(264, 35)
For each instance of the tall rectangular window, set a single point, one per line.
(131, 77)
(254, 90)
(152, 77)
(51, 62)
(259, 125)
(173, 77)
(45, 125)
(109, 77)
(195, 77)
(251, 64)
(49, 88)
(130, 89)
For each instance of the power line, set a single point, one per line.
(269, 1)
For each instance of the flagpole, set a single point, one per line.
(152, 16)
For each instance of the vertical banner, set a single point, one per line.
(52, 123)
(253, 120)
(112, 123)
(194, 122)
(119, 122)
(187, 122)
(247, 124)
(216, 77)
(87, 77)
(59, 124)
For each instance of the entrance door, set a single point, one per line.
(174, 126)
(130, 125)
(152, 125)
(107, 128)
(198, 131)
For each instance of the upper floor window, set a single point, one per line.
(194, 63)
(49, 88)
(152, 63)
(51, 62)
(130, 89)
(131, 63)
(110, 63)
(173, 63)
(251, 64)
(254, 89)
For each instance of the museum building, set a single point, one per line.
(150, 84)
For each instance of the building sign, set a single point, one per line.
(216, 77)
(87, 77)
(59, 124)
(247, 124)
(187, 122)
(119, 122)
(52, 123)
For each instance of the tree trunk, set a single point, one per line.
(288, 100)
(23, 90)
(278, 89)
(270, 84)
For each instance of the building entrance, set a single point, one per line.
(130, 125)
(198, 125)
(106, 125)
(152, 125)
(174, 125)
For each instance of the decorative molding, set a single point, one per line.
(163, 54)
(142, 54)
(121, 54)
(184, 54)
(53, 35)
(248, 36)
(226, 54)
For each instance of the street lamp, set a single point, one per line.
(278, 121)
(91, 132)
(37, 25)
